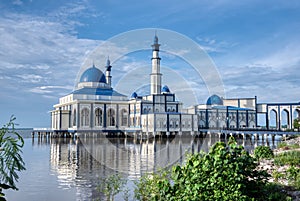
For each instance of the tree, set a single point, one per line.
(225, 173)
(11, 161)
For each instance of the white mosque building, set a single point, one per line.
(94, 106)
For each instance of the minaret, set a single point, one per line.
(107, 72)
(155, 75)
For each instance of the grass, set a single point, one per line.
(285, 146)
(288, 158)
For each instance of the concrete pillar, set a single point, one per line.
(284, 137)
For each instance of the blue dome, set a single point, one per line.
(93, 74)
(214, 100)
(134, 95)
(165, 89)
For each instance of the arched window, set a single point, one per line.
(74, 117)
(111, 117)
(124, 117)
(98, 117)
(85, 117)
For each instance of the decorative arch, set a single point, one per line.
(284, 119)
(273, 119)
(85, 117)
(98, 117)
(124, 117)
(111, 117)
(296, 115)
(74, 117)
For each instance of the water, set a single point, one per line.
(68, 169)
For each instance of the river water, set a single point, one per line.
(71, 169)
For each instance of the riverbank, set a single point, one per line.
(284, 168)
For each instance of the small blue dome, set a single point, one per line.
(165, 89)
(134, 95)
(214, 100)
(93, 74)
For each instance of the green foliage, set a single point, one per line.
(297, 123)
(11, 160)
(274, 192)
(294, 176)
(263, 152)
(225, 173)
(277, 175)
(151, 186)
(111, 186)
(287, 158)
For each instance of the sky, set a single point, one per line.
(254, 45)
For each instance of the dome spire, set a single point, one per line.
(107, 73)
(107, 61)
(155, 38)
(108, 66)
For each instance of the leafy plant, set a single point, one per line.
(263, 152)
(150, 186)
(225, 173)
(111, 186)
(11, 161)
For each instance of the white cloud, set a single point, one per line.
(38, 51)
(17, 2)
(212, 45)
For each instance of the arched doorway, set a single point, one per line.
(273, 119)
(296, 119)
(284, 119)
(85, 117)
(124, 117)
(111, 117)
(98, 117)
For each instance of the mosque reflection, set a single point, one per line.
(80, 163)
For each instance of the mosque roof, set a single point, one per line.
(97, 91)
(165, 89)
(92, 74)
(214, 100)
(222, 107)
(134, 95)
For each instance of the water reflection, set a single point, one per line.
(79, 163)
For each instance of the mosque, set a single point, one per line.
(94, 106)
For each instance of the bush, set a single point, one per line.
(225, 173)
(111, 186)
(263, 152)
(275, 192)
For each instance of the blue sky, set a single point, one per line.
(255, 46)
